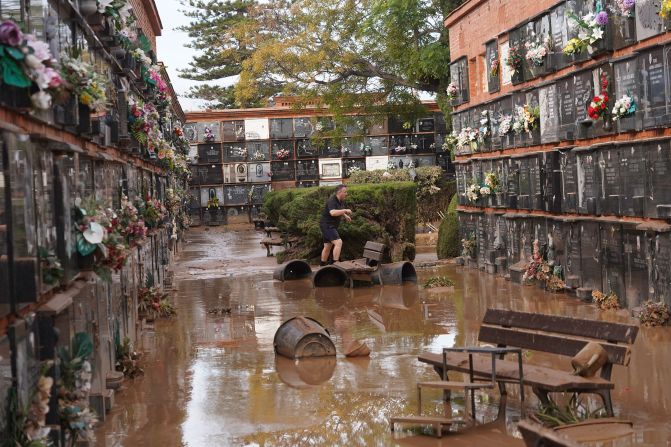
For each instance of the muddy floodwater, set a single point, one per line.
(212, 377)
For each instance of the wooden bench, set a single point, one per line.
(544, 333)
(535, 435)
(285, 241)
(270, 230)
(362, 269)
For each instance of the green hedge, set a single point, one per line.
(385, 212)
(448, 233)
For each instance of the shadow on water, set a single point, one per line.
(214, 379)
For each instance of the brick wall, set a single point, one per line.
(142, 13)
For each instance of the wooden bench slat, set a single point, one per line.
(271, 241)
(354, 267)
(374, 255)
(556, 344)
(540, 376)
(602, 330)
(375, 246)
(449, 385)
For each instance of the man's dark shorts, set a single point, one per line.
(329, 233)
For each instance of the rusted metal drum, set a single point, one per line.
(395, 274)
(301, 337)
(330, 276)
(294, 269)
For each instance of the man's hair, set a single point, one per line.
(340, 188)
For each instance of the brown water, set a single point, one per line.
(214, 380)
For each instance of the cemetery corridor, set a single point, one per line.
(212, 378)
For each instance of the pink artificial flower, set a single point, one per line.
(40, 48)
(10, 34)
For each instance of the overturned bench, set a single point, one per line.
(564, 336)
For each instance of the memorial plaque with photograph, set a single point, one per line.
(627, 81)
(653, 80)
(209, 153)
(590, 259)
(303, 128)
(612, 261)
(612, 179)
(458, 77)
(233, 130)
(588, 182)
(305, 149)
(658, 170)
(281, 128)
(282, 150)
(636, 267)
(307, 170)
(283, 170)
(492, 66)
(566, 107)
(648, 21)
(633, 172)
(258, 172)
(548, 103)
(376, 146)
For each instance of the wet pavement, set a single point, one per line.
(212, 378)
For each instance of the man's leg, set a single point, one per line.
(326, 251)
(337, 246)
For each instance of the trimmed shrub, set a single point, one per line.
(448, 233)
(385, 213)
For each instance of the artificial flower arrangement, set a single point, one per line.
(505, 125)
(153, 212)
(399, 149)
(625, 8)
(473, 193)
(605, 301)
(83, 80)
(153, 78)
(282, 154)
(539, 269)
(468, 137)
(258, 156)
(492, 182)
(213, 202)
(598, 107)
(352, 169)
(665, 10)
(526, 119)
(536, 49)
(469, 245)
(590, 30)
(623, 107)
(209, 135)
(450, 142)
(27, 61)
(452, 90)
(154, 303)
(515, 58)
(654, 313)
(494, 68)
(484, 131)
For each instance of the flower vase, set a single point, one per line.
(474, 146)
(86, 263)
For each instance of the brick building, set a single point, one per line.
(542, 156)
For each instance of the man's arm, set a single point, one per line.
(336, 213)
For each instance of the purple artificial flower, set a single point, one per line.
(628, 4)
(602, 18)
(10, 34)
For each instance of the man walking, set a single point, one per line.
(328, 224)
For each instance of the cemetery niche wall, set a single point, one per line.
(564, 145)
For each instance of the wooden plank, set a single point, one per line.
(374, 255)
(425, 420)
(602, 330)
(354, 267)
(270, 241)
(374, 246)
(448, 385)
(540, 376)
(555, 344)
(536, 435)
(595, 430)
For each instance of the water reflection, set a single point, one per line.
(304, 373)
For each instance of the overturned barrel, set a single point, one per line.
(301, 337)
(294, 269)
(330, 276)
(395, 274)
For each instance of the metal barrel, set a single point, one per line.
(301, 337)
(294, 269)
(399, 297)
(330, 276)
(305, 373)
(395, 274)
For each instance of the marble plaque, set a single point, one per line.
(256, 150)
(281, 128)
(658, 190)
(524, 193)
(536, 182)
(305, 149)
(259, 192)
(358, 163)
(661, 266)
(257, 129)
(209, 153)
(512, 181)
(547, 98)
(566, 107)
(583, 92)
(307, 170)
(258, 172)
(459, 77)
(612, 261)
(551, 176)
(236, 194)
(648, 22)
(506, 72)
(560, 37)
(328, 148)
(587, 182)
(590, 257)
(303, 127)
(653, 80)
(491, 59)
(633, 172)
(376, 146)
(282, 145)
(627, 82)
(283, 170)
(636, 267)
(609, 190)
(233, 130)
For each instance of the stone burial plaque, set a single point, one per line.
(376, 146)
(257, 129)
(551, 178)
(258, 172)
(569, 181)
(516, 39)
(557, 248)
(209, 132)
(633, 180)
(209, 153)
(499, 197)
(355, 126)
(512, 240)
(492, 66)
(609, 191)
(505, 109)
(426, 124)
(235, 152)
(399, 144)
(566, 108)
(467, 225)
(282, 145)
(283, 170)
(612, 260)
(590, 255)
(207, 194)
(352, 147)
(583, 92)
(348, 165)
(303, 128)
(495, 114)
(459, 173)
(191, 132)
(519, 100)
(459, 77)
(588, 180)
(259, 192)
(661, 267)
(635, 267)
(622, 29)
(236, 194)
(548, 103)
(541, 31)
(512, 174)
(526, 235)
(307, 170)
(524, 191)
(207, 174)
(536, 181)
(572, 272)
(281, 128)
(560, 38)
(305, 149)
(425, 144)
(627, 81)
(648, 21)
(483, 232)
(602, 127)
(540, 231)
(233, 130)
(327, 148)
(658, 175)
(653, 81)
(256, 150)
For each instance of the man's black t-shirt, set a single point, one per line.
(331, 204)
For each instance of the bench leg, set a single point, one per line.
(542, 396)
(607, 402)
(503, 402)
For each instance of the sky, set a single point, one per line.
(172, 52)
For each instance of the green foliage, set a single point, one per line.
(573, 412)
(71, 360)
(385, 213)
(348, 54)
(448, 233)
(438, 281)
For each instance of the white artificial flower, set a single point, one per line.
(41, 100)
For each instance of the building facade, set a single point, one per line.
(239, 155)
(561, 122)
